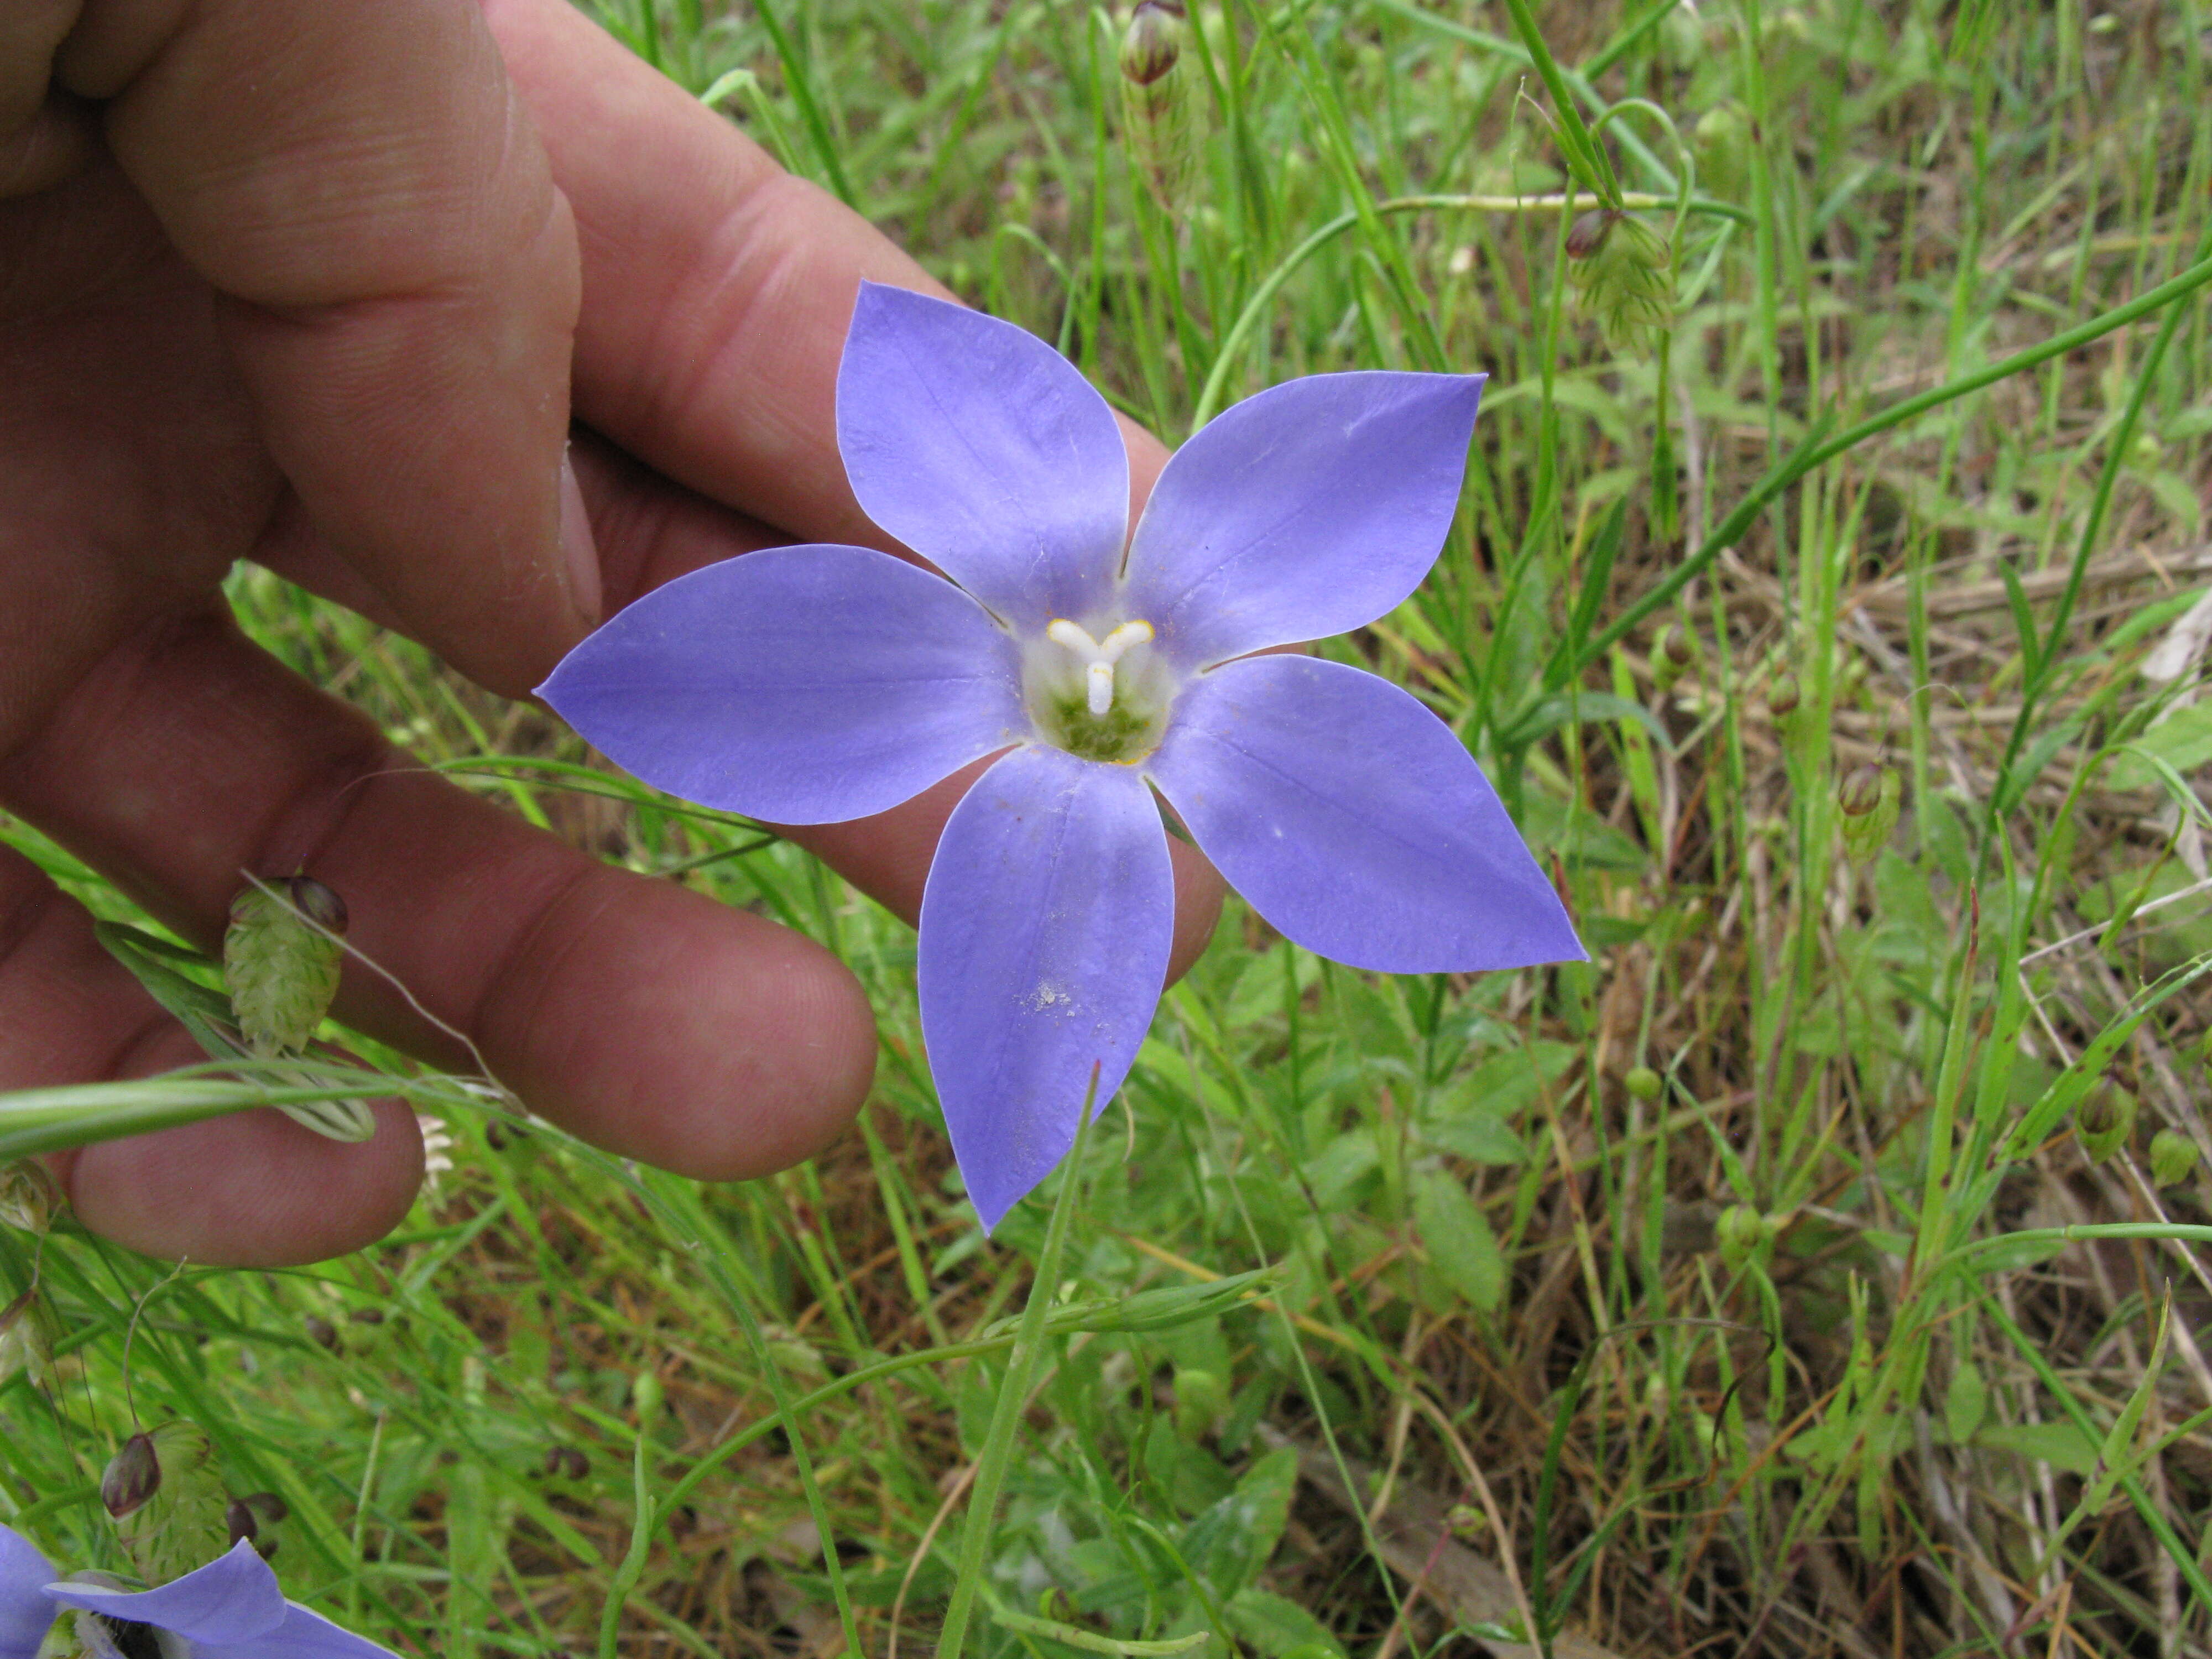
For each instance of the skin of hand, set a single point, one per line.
(324, 287)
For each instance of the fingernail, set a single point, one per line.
(578, 547)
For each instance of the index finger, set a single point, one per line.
(718, 287)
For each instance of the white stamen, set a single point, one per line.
(1098, 656)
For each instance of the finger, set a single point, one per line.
(29, 32)
(718, 287)
(888, 857)
(651, 531)
(254, 1190)
(642, 1016)
(361, 182)
(55, 143)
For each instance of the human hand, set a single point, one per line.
(312, 286)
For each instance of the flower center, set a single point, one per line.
(1092, 698)
(1099, 656)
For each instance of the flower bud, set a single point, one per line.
(1642, 1082)
(28, 1197)
(1782, 697)
(1869, 796)
(1152, 44)
(280, 962)
(1159, 121)
(1587, 236)
(1672, 655)
(132, 1477)
(648, 1394)
(1743, 1234)
(167, 1496)
(568, 1462)
(244, 1525)
(1625, 278)
(320, 1332)
(1860, 793)
(2172, 1157)
(1468, 1522)
(1721, 141)
(2104, 1121)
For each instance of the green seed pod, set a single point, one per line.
(1743, 1234)
(1159, 104)
(648, 1394)
(2172, 1157)
(1642, 1082)
(28, 1197)
(1870, 797)
(1468, 1522)
(25, 1344)
(2104, 1121)
(1626, 280)
(1673, 654)
(1783, 696)
(1722, 143)
(281, 962)
(166, 1496)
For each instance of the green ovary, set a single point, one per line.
(1119, 734)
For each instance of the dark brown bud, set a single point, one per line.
(268, 1507)
(244, 1525)
(1154, 44)
(1587, 236)
(132, 1477)
(321, 1333)
(567, 1462)
(1860, 793)
(1681, 650)
(320, 904)
(366, 1315)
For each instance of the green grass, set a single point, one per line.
(1792, 1352)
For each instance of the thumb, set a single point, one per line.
(399, 283)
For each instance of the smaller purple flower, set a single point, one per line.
(230, 1609)
(818, 683)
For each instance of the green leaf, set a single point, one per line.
(1458, 1239)
(1966, 1402)
(1234, 1538)
(1279, 1627)
(2059, 1444)
(1090, 1641)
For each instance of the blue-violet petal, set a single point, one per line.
(800, 684)
(1351, 819)
(1306, 510)
(27, 1611)
(986, 452)
(1045, 929)
(232, 1599)
(303, 1635)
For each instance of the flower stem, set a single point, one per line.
(1014, 1399)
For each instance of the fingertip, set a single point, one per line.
(256, 1190)
(762, 1044)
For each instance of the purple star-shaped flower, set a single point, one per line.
(230, 1609)
(818, 683)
